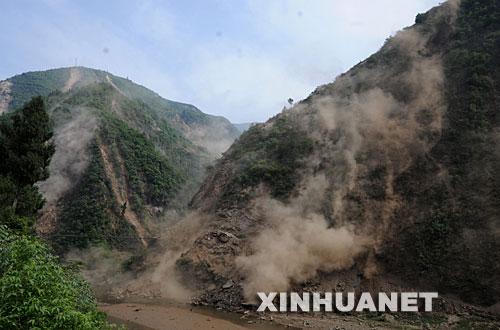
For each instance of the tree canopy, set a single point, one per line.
(25, 150)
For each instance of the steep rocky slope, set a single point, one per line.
(387, 178)
(124, 156)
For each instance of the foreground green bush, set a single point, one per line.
(38, 293)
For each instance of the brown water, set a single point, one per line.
(137, 316)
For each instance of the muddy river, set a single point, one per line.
(139, 316)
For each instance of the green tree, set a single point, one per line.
(25, 150)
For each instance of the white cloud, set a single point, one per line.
(154, 22)
(248, 87)
(71, 35)
(343, 28)
(306, 43)
(287, 48)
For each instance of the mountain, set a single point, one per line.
(386, 179)
(125, 157)
(242, 126)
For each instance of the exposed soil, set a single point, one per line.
(5, 95)
(108, 79)
(47, 222)
(74, 77)
(120, 192)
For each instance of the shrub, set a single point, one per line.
(38, 293)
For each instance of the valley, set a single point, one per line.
(386, 179)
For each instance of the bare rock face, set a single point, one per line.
(213, 187)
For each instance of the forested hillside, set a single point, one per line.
(124, 156)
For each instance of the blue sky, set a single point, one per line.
(241, 59)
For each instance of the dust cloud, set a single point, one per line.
(296, 244)
(385, 126)
(153, 274)
(71, 156)
(373, 122)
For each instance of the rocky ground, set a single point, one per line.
(448, 314)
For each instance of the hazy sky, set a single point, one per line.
(236, 58)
